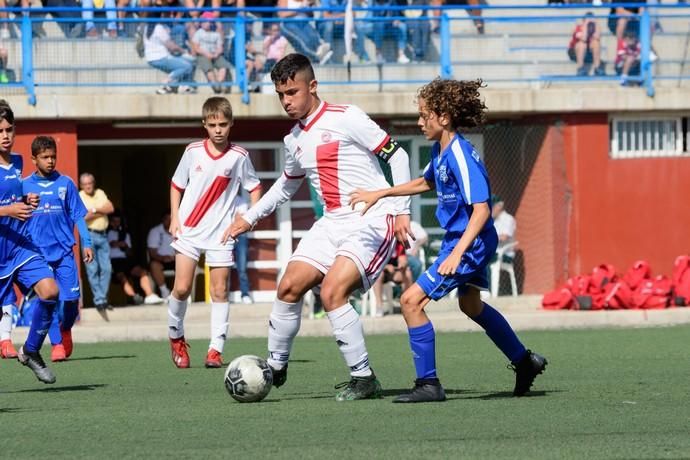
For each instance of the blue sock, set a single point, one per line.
(500, 332)
(423, 345)
(70, 311)
(54, 330)
(40, 323)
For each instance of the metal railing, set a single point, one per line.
(444, 64)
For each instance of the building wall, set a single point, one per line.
(624, 210)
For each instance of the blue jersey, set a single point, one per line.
(12, 231)
(51, 226)
(461, 180)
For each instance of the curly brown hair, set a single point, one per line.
(457, 98)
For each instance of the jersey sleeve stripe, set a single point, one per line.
(176, 187)
(258, 187)
(383, 248)
(294, 177)
(214, 192)
(240, 150)
(464, 169)
(382, 143)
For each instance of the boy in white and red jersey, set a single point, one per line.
(203, 196)
(338, 147)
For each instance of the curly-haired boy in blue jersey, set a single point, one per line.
(464, 211)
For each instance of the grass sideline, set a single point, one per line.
(606, 394)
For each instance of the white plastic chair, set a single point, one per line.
(500, 265)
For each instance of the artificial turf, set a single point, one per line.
(606, 394)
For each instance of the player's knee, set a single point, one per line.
(408, 304)
(47, 290)
(219, 292)
(181, 290)
(288, 290)
(471, 305)
(333, 295)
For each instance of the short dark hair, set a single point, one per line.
(291, 65)
(6, 112)
(41, 144)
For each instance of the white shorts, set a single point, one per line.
(367, 241)
(214, 257)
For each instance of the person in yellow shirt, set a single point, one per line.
(98, 206)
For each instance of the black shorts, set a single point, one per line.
(122, 265)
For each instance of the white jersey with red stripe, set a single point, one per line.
(334, 149)
(210, 186)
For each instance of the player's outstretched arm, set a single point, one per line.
(370, 198)
(19, 210)
(281, 191)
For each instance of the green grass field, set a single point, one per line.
(606, 394)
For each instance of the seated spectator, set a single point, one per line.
(419, 27)
(332, 25)
(393, 271)
(585, 47)
(88, 13)
(475, 13)
(158, 52)
(254, 66)
(161, 254)
(124, 265)
(505, 225)
(379, 30)
(275, 47)
(628, 58)
(302, 34)
(624, 19)
(414, 261)
(70, 29)
(207, 44)
(4, 16)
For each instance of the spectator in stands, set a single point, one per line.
(302, 34)
(585, 47)
(332, 25)
(88, 12)
(475, 13)
(628, 58)
(70, 29)
(161, 254)
(624, 18)
(505, 225)
(4, 16)
(207, 44)
(275, 47)
(379, 30)
(158, 52)
(124, 265)
(99, 206)
(4, 78)
(419, 27)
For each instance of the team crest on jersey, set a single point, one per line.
(18, 172)
(475, 155)
(443, 173)
(326, 136)
(227, 172)
(198, 168)
(62, 192)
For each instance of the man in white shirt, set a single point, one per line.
(505, 226)
(161, 254)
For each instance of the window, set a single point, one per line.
(636, 137)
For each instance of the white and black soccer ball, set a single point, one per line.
(248, 378)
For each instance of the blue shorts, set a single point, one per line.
(34, 269)
(67, 278)
(470, 272)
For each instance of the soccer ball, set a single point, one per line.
(248, 378)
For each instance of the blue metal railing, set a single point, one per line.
(26, 18)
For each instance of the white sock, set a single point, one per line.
(6, 322)
(349, 334)
(283, 325)
(176, 311)
(220, 311)
(165, 292)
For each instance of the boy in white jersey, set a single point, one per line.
(337, 147)
(203, 195)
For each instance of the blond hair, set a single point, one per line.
(216, 105)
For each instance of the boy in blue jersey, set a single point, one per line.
(52, 229)
(464, 211)
(21, 261)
